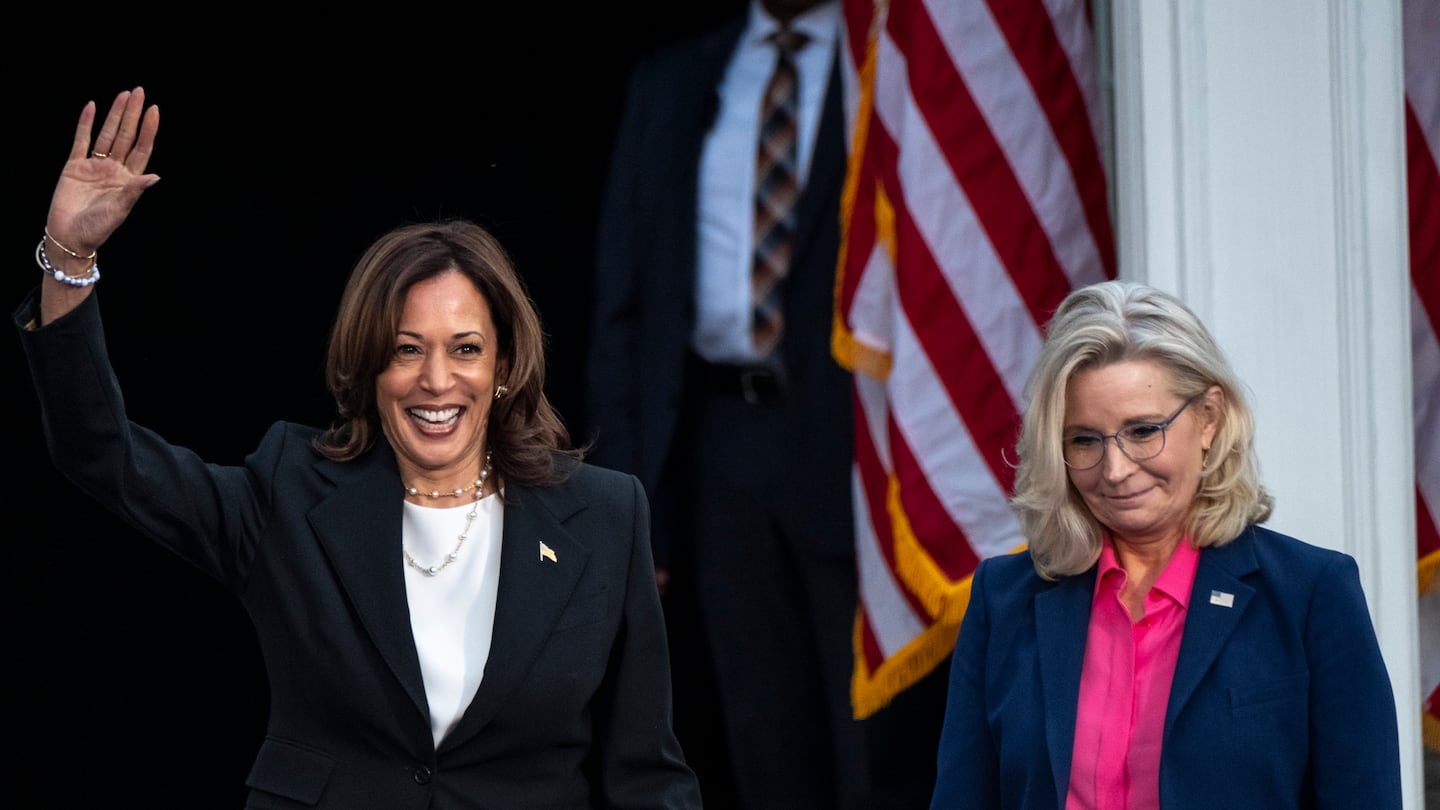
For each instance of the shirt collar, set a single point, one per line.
(820, 24)
(1175, 581)
(1179, 574)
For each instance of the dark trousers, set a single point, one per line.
(763, 565)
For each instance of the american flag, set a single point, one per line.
(976, 200)
(1422, 146)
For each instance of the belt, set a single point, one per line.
(757, 385)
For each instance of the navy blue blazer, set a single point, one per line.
(1280, 699)
(574, 708)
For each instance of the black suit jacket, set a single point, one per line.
(573, 711)
(644, 311)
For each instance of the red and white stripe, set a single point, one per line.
(1422, 146)
(976, 201)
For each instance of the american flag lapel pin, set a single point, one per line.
(1222, 599)
(547, 553)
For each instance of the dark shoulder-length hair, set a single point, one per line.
(525, 433)
(1106, 323)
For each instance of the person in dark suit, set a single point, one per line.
(745, 446)
(455, 610)
(1156, 646)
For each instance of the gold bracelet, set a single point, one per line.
(92, 275)
(68, 250)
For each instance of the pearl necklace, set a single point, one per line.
(479, 487)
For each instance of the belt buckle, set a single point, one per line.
(757, 383)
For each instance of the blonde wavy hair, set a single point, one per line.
(1094, 327)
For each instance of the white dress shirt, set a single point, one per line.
(726, 208)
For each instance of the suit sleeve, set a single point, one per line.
(967, 764)
(1354, 737)
(641, 763)
(202, 512)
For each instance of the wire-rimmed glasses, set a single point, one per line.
(1139, 442)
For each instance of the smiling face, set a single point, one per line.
(434, 397)
(1145, 503)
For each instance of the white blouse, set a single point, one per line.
(452, 613)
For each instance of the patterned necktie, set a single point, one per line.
(775, 192)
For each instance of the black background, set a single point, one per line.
(133, 680)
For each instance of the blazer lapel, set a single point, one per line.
(359, 527)
(1217, 601)
(685, 117)
(1062, 619)
(535, 585)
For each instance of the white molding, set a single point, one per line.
(1260, 175)
(1377, 433)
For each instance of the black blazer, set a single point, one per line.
(644, 311)
(574, 708)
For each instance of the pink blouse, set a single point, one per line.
(1125, 686)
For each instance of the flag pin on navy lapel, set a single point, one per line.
(1222, 599)
(547, 553)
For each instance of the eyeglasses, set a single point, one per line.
(1140, 441)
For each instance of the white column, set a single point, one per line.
(1260, 175)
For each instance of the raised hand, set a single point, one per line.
(95, 193)
(98, 188)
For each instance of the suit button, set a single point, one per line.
(423, 775)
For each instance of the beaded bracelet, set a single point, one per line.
(61, 275)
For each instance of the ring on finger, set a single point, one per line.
(101, 155)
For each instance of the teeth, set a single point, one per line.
(435, 416)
